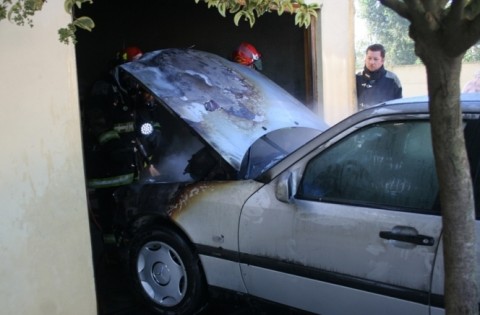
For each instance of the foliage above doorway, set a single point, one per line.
(249, 10)
(21, 12)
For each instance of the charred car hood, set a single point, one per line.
(229, 105)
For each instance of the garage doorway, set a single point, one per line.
(156, 24)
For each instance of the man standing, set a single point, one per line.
(374, 83)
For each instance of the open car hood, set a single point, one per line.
(229, 105)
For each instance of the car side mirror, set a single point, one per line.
(286, 186)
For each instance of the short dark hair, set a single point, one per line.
(377, 47)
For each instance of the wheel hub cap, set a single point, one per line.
(161, 273)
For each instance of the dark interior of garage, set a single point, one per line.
(157, 24)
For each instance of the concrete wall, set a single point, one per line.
(414, 77)
(46, 265)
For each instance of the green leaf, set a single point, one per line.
(78, 3)
(3, 13)
(280, 8)
(14, 10)
(212, 3)
(306, 20)
(298, 18)
(251, 19)
(84, 22)
(288, 6)
(312, 12)
(260, 10)
(37, 4)
(237, 17)
(68, 5)
(234, 8)
(222, 7)
(67, 34)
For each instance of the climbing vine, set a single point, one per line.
(21, 12)
(249, 10)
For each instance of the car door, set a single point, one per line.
(361, 233)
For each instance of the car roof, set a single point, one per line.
(228, 104)
(469, 101)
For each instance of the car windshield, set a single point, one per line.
(272, 148)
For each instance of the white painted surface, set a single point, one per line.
(46, 263)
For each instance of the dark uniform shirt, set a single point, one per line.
(377, 87)
(109, 137)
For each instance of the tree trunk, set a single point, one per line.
(456, 194)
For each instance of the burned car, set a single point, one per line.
(223, 124)
(270, 204)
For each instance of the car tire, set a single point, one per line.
(166, 273)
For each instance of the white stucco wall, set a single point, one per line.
(46, 265)
(414, 77)
(335, 47)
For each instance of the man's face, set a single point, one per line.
(373, 60)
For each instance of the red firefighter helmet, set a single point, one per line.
(131, 53)
(246, 54)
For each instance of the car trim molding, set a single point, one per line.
(371, 286)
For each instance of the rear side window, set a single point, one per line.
(472, 134)
(389, 164)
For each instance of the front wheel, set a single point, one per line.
(166, 273)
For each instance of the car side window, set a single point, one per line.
(476, 189)
(472, 134)
(388, 164)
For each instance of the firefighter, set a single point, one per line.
(109, 143)
(131, 53)
(150, 140)
(110, 156)
(246, 54)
